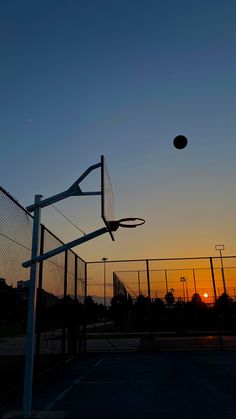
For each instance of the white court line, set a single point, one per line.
(77, 381)
(119, 382)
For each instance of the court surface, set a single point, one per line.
(181, 384)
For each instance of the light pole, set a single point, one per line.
(182, 279)
(186, 286)
(104, 280)
(221, 247)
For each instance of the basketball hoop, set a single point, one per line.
(126, 223)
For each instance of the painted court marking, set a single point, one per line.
(77, 381)
(120, 382)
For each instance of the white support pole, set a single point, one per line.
(30, 343)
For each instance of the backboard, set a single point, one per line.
(107, 209)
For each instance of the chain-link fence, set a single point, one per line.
(154, 278)
(157, 304)
(172, 303)
(60, 296)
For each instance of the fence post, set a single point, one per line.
(39, 304)
(76, 273)
(215, 295)
(149, 303)
(213, 278)
(139, 289)
(64, 334)
(148, 281)
(166, 278)
(32, 303)
(194, 281)
(85, 306)
(75, 311)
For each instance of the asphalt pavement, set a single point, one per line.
(163, 385)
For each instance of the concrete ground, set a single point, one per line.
(163, 385)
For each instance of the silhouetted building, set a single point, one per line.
(2, 281)
(22, 284)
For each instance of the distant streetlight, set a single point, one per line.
(104, 280)
(221, 247)
(184, 280)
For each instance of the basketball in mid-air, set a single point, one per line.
(180, 142)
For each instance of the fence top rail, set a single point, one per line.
(173, 269)
(160, 259)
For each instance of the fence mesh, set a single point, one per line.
(177, 303)
(168, 304)
(185, 277)
(61, 285)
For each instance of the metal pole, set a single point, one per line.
(194, 281)
(149, 301)
(222, 272)
(215, 295)
(30, 343)
(104, 281)
(186, 287)
(85, 305)
(139, 290)
(76, 336)
(64, 320)
(182, 279)
(76, 273)
(39, 306)
(213, 278)
(166, 278)
(148, 282)
(221, 247)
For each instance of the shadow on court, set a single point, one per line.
(180, 385)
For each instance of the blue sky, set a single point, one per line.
(123, 78)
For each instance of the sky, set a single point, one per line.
(81, 79)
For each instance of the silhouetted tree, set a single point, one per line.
(180, 305)
(158, 305)
(223, 303)
(196, 299)
(170, 298)
(119, 307)
(91, 309)
(142, 301)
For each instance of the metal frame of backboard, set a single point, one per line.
(107, 201)
(111, 225)
(106, 194)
